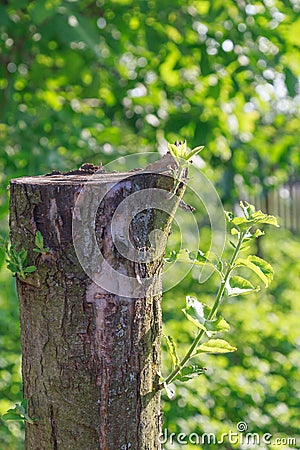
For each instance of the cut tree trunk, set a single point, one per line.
(90, 357)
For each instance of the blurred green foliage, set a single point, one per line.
(260, 382)
(88, 80)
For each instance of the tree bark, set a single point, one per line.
(90, 357)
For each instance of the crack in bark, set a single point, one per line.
(53, 428)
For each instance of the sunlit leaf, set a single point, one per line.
(194, 152)
(171, 257)
(238, 285)
(240, 222)
(217, 325)
(189, 372)
(216, 346)
(198, 313)
(195, 312)
(179, 150)
(260, 217)
(247, 209)
(251, 217)
(258, 233)
(259, 266)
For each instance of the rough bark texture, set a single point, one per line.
(90, 358)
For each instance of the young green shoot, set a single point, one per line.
(182, 156)
(17, 260)
(207, 320)
(19, 412)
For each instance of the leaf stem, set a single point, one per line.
(211, 316)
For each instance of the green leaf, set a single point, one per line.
(43, 251)
(251, 218)
(217, 325)
(198, 313)
(216, 346)
(248, 209)
(189, 372)
(240, 222)
(219, 266)
(198, 256)
(195, 312)
(194, 152)
(29, 269)
(12, 415)
(237, 285)
(21, 255)
(244, 247)
(172, 350)
(12, 267)
(179, 151)
(19, 412)
(259, 266)
(258, 233)
(260, 217)
(172, 256)
(39, 240)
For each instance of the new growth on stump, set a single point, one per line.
(91, 351)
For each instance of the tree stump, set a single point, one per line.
(91, 356)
